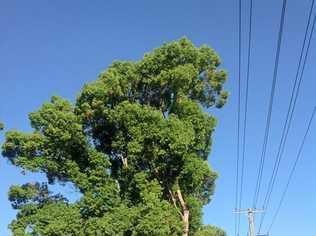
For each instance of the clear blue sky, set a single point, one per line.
(54, 47)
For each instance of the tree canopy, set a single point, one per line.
(135, 144)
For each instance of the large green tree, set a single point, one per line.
(135, 144)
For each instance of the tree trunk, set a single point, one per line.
(185, 220)
(185, 215)
(124, 160)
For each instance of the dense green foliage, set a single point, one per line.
(210, 230)
(135, 145)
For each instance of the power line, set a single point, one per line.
(268, 122)
(246, 106)
(290, 112)
(281, 151)
(287, 126)
(292, 170)
(290, 120)
(246, 110)
(246, 100)
(237, 218)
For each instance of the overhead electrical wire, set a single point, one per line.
(246, 102)
(246, 109)
(237, 217)
(292, 170)
(272, 94)
(290, 118)
(239, 198)
(288, 127)
(291, 109)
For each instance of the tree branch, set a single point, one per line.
(175, 202)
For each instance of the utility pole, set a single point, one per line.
(251, 215)
(251, 222)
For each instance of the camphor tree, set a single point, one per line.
(135, 144)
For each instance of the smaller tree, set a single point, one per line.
(1, 126)
(208, 230)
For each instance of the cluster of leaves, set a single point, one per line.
(135, 135)
(210, 230)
